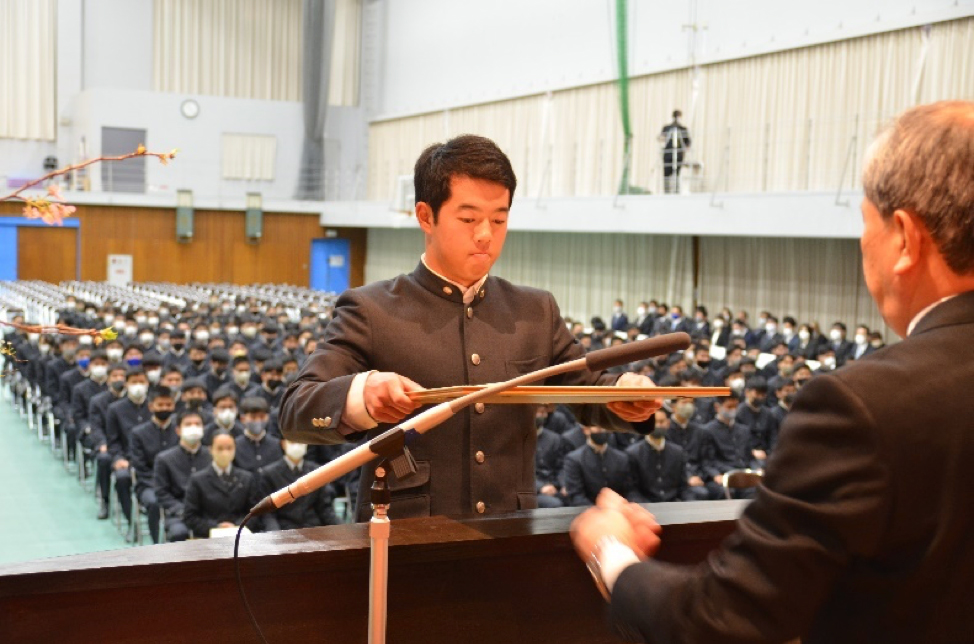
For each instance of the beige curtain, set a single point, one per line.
(793, 120)
(236, 48)
(586, 273)
(343, 85)
(27, 69)
(813, 280)
(250, 157)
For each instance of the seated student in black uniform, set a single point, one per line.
(195, 398)
(549, 460)
(84, 391)
(220, 496)
(785, 395)
(755, 415)
(146, 442)
(270, 389)
(199, 367)
(178, 356)
(172, 379)
(659, 466)
(123, 415)
(240, 382)
(172, 469)
(594, 466)
(224, 416)
(684, 431)
(96, 438)
(724, 445)
(255, 449)
(309, 511)
(66, 384)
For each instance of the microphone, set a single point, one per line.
(391, 441)
(621, 354)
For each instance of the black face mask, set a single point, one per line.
(198, 363)
(658, 433)
(179, 347)
(273, 383)
(194, 403)
(599, 439)
(789, 399)
(703, 364)
(162, 416)
(117, 386)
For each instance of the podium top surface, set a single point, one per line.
(411, 539)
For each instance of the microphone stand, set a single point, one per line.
(379, 529)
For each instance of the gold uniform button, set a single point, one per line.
(448, 290)
(481, 507)
(479, 457)
(469, 312)
(316, 422)
(479, 407)
(482, 292)
(326, 422)
(475, 359)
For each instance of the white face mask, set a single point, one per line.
(99, 372)
(137, 392)
(249, 331)
(296, 451)
(226, 416)
(202, 336)
(860, 338)
(829, 362)
(736, 385)
(153, 321)
(114, 354)
(804, 335)
(771, 328)
(140, 319)
(131, 331)
(241, 377)
(85, 340)
(788, 332)
(33, 337)
(641, 310)
(44, 349)
(718, 324)
(146, 339)
(233, 330)
(192, 434)
(835, 334)
(154, 376)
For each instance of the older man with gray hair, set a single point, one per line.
(864, 528)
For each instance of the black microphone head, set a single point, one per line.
(660, 345)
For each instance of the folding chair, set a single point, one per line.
(741, 479)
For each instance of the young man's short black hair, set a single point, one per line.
(467, 155)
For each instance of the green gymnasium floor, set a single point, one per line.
(46, 512)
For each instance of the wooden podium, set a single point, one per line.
(510, 578)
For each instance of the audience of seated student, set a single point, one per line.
(221, 371)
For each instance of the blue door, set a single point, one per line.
(8, 252)
(329, 264)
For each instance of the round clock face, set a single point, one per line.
(190, 108)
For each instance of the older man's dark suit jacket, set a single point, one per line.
(864, 530)
(418, 326)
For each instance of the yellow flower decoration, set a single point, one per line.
(140, 149)
(108, 334)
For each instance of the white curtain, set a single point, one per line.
(236, 48)
(812, 280)
(250, 157)
(27, 69)
(345, 55)
(792, 120)
(586, 273)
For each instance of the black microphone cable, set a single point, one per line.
(236, 567)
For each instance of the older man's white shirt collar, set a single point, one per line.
(468, 293)
(919, 316)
